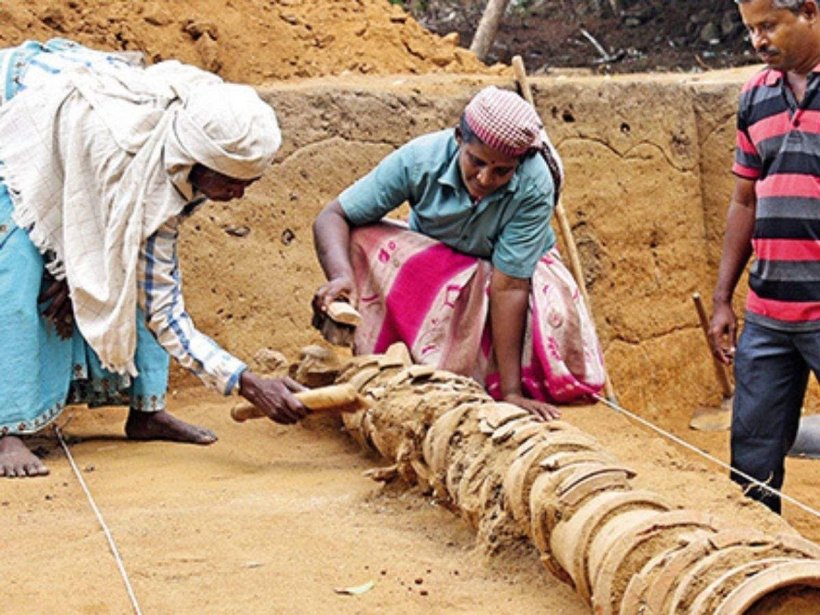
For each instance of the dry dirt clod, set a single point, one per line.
(196, 29)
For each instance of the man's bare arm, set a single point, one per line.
(737, 249)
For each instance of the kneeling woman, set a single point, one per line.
(475, 284)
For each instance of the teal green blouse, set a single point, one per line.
(510, 227)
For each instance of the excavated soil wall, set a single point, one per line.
(647, 162)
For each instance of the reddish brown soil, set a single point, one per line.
(248, 40)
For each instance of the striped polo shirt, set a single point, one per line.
(778, 146)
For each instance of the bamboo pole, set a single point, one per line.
(561, 219)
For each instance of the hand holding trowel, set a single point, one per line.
(337, 323)
(704, 418)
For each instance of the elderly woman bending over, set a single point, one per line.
(475, 284)
(101, 163)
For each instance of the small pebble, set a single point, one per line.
(419, 581)
(423, 592)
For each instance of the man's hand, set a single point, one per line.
(737, 249)
(337, 288)
(540, 409)
(59, 311)
(723, 332)
(274, 396)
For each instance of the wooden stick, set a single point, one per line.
(605, 56)
(561, 218)
(339, 397)
(720, 370)
(560, 214)
(616, 7)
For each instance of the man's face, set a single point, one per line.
(783, 39)
(215, 185)
(483, 169)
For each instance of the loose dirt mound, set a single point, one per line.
(249, 40)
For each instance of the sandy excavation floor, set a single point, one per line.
(271, 519)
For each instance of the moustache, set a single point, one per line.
(769, 52)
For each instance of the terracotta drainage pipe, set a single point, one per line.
(625, 551)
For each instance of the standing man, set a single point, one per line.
(775, 213)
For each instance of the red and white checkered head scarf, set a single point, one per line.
(504, 121)
(509, 124)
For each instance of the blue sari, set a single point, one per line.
(39, 371)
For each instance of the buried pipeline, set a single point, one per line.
(623, 550)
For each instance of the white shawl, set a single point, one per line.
(91, 160)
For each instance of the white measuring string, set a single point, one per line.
(108, 536)
(706, 455)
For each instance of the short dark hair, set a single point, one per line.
(467, 134)
(791, 5)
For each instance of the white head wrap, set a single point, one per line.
(227, 128)
(92, 159)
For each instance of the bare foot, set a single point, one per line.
(164, 426)
(17, 461)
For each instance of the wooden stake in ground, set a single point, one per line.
(488, 27)
(561, 218)
(706, 418)
(720, 370)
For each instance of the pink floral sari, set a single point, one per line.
(416, 290)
